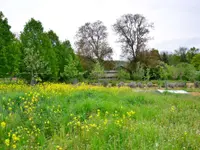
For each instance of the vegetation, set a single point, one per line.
(60, 116)
(37, 55)
(39, 111)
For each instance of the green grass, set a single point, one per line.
(99, 119)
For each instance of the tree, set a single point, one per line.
(34, 64)
(98, 71)
(165, 57)
(133, 32)
(71, 70)
(186, 71)
(191, 53)
(196, 61)
(122, 74)
(92, 41)
(14, 57)
(33, 37)
(181, 52)
(6, 40)
(139, 72)
(6, 35)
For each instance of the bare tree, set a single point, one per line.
(133, 31)
(92, 41)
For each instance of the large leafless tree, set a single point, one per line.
(92, 41)
(133, 32)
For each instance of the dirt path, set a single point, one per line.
(195, 93)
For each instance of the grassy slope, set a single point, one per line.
(64, 117)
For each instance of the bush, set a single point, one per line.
(182, 84)
(140, 85)
(97, 72)
(105, 83)
(149, 84)
(139, 72)
(197, 84)
(121, 84)
(132, 85)
(122, 74)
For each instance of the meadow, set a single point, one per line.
(77, 117)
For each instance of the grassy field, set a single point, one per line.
(60, 116)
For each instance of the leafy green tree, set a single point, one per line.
(181, 53)
(6, 39)
(6, 35)
(122, 74)
(139, 72)
(34, 64)
(33, 37)
(186, 71)
(173, 72)
(71, 70)
(98, 71)
(14, 57)
(191, 53)
(174, 59)
(163, 71)
(165, 57)
(196, 61)
(148, 75)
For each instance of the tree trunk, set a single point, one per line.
(32, 78)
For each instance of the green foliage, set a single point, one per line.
(47, 46)
(196, 61)
(60, 116)
(163, 71)
(123, 75)
(148, 75)
(191, 53)
(98, 71)
(71, 70)
(6, 35)
(182, 71)
(139, 72)
(9, 50)
(34, 64)
(186, 71)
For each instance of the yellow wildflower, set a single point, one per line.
(14, 146)
(7, 142)
(15, 138)
(3, 124)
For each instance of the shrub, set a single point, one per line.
(97, 72)
(139, 72)
(121, 84)
(132, 85)
(149, 84)
(140, 85)
(197, 84)
(122, 74)
(105, 83)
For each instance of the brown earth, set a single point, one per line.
(195, 93)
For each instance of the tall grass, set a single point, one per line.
(59, 116)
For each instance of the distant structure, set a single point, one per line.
(110, 75)
(113, 74)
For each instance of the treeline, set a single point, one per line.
(36, 55)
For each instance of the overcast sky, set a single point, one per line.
(177, 22)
